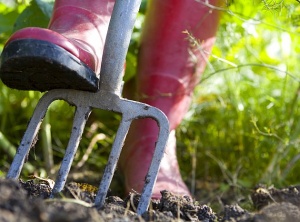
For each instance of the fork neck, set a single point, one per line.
(116, 45)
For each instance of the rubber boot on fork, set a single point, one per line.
(170, 65)
(66, 55)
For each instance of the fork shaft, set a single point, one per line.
(116, 44)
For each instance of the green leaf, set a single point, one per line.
(8, 3)
(7, 19)
(46, 6)
(36, 15)
(131, 64)
(8, 16)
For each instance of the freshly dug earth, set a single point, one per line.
(29, 201)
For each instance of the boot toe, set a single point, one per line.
(30, 64)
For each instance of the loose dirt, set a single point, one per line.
(29, 201)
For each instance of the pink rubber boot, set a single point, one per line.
(170, 65)
(66, 55)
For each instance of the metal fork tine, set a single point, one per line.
(80, 118)
(112, 163)
(155, 163)
(29, 137)
(134, 110)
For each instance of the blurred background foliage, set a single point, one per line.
(242, 129)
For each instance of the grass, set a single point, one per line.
(243, 125)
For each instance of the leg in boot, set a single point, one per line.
(169, 67)
(66, 55)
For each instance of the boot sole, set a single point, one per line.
(30, 64)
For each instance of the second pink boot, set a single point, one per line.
(170, 65)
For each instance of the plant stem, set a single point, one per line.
(10, 150)
(6, 146)
(46, 144)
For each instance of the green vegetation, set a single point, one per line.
(243, 127)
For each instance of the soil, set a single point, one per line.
(29, 201)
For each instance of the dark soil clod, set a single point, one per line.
(263, 196)
(29, 201)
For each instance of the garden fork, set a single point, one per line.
(107, 98)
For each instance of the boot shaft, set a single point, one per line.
(176, 41)
(85, 23)
(166, 47)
